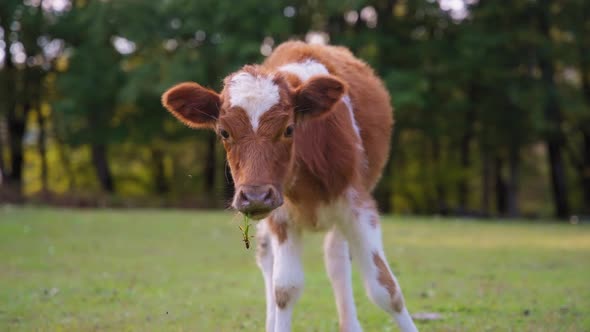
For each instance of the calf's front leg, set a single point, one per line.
(287, 270)
(278, 256)
(337, 260)
(264, 259)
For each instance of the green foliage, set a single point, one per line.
(468, 92)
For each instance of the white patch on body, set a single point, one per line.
(355, 126)
(359, 145)
(255, 94)
(306, 69)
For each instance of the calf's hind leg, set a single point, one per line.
(364, 237)
(337, 259)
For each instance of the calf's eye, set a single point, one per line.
(289, 131)
(223, 133)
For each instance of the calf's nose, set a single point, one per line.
(257, 200)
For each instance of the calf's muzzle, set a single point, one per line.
(257, 201)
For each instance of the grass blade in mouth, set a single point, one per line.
(245, 228)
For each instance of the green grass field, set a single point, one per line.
(155, 270)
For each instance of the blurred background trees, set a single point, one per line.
(492, 99)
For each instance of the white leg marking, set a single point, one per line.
(337, 259)
(264, 259)
(287, 275)
(255, 94)
(364, 235)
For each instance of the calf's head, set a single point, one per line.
(256, 116)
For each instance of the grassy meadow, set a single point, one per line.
(165, 270)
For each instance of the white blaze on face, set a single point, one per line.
(255, 94)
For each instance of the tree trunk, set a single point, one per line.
(552, 114)
(160, 183)
(465, 151)
(501, 194)
(17, 116)
(393, 158)
(15, 121)
(101, 166)
(441, 192)
(558, 180)
(465, 164)
(382, 192)
(210, 166)
(584, 169)
(2, 165)
(42, 143)
(228, 192)
(513, 180)
(16, 130)
(7, 104)
(43, 155)
(65, 160)
(485, 183)
(585, 172)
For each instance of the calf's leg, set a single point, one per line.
(287, 270)
(264, 260)
(337, 260)
(363, 232)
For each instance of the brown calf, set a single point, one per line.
(306, 135)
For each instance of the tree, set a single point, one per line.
(91, 83)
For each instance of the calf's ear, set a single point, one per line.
(318, 96)
(193, 105)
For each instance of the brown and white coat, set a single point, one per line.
(307, 136)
